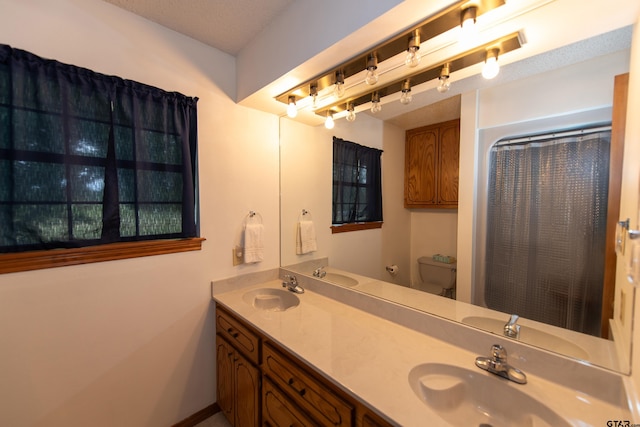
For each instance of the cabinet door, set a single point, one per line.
(421, 156)
(279, 411)
(247, 393)
(449, 164)
(225, 381)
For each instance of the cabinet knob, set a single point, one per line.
(301, 392)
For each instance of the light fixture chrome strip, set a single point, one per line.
(435, 25)
(466, 59)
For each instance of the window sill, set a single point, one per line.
(36, 260)
(355, 227)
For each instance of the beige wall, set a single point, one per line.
(131, 343)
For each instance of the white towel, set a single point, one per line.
(253, 243)
(305, 238)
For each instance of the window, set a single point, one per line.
(357, 186)
(88, 159)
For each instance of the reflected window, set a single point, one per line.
(357, 184)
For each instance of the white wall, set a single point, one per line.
(397, 230)
(131, 343)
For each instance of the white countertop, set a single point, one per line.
(371, 358)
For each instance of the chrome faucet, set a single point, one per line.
(319, 272)
(291, 283)
(511, 329)
(497, 364)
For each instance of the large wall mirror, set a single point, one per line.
(562, 89)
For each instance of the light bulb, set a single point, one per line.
(292, 111)
(413, 57)
(491, 67)
(468, 23)
(338, 87)
(351, 114)
(329, 123)
(444, 84)
(313, 91)
(372, 66)
(372, 76)
(406, 97)
(375, 102)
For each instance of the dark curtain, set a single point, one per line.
(547, 211)
(357, 183)
(87, 158)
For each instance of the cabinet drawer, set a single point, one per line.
(242, 338)
(312, 396)
(279, 411)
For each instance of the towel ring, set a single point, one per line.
(253, 216)
(305, 214)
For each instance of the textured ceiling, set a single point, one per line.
(227, 25)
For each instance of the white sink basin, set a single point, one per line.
(476, 398)
(340, 279)
(529, 335)
(270, 299)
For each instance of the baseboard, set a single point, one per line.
(199, 416)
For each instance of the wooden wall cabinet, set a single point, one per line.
(260, 383)
(432, 155)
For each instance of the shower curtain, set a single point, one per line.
(547, 210)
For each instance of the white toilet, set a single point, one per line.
(436, 277)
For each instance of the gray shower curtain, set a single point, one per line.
(547, 210)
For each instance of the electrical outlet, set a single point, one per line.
(237, 255)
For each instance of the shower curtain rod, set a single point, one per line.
(559, 134)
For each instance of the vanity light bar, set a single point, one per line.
(435, 25)
(466, 59)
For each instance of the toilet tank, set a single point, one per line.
(437, 273)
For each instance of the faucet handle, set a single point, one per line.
(498, 353)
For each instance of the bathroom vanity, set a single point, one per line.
(252, 368)
(334, 356)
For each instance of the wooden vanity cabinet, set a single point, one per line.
(315, 397)
(238, 381)
(238, 386)
(432, 157)
(260, 383)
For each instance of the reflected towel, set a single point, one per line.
(253, 243)
(305, 238)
